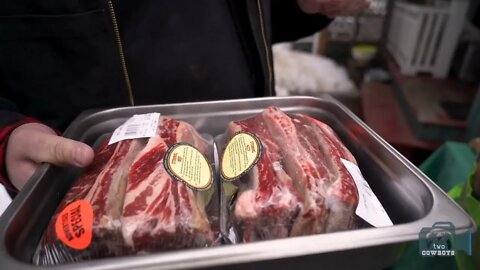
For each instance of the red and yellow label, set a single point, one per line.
(74, 224)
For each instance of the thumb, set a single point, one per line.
(47, 147)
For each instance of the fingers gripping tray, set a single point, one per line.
(411, 200)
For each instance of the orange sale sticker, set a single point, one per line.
(74, 224)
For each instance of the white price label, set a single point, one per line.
(369, 207)
(137, 126)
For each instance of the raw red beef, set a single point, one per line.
(160, 213)
(103, 185)
(108, 191)
(267, 202)
(341, 196)
(307, 172)
(303, 153)
(137, 206)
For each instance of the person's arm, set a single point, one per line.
(294, 19)
(25, 143)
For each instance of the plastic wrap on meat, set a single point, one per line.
(307, 169)
(267, 201)
(341, 195)
(160, 213)
(313, 161)
(137, 207)
(103, 185)
(300, 176)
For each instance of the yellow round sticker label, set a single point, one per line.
(186, 164)
(241, 153)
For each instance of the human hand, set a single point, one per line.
(31, 144)
(333, 8)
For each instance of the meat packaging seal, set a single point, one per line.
(241, 153)
(295, 185)
(188, 165)
(369, 207)
(137, 126)
(138, 196)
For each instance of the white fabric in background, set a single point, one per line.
(5, 199)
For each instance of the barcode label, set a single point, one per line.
(132, 129)
(369, 207)
(138, 126)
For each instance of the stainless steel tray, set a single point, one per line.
(409, 197)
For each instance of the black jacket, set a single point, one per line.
(60, 57)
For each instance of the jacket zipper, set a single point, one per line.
(123, 61)
(121, 52)
(265, 46)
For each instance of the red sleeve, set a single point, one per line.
(4, 134)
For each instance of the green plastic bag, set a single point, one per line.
(449, 167)
(463, 195)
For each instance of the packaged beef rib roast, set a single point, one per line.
(285, 175)
(143, 193)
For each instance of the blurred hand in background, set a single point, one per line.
(333, 8)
